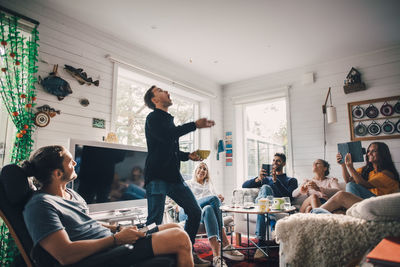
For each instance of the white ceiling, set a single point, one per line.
(232, 40)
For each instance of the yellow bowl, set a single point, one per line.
(203, 154)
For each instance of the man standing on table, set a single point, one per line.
(162, 169)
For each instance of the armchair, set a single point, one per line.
(15, 191)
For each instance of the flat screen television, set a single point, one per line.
(110, 176)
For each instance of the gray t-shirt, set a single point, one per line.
(45, 214)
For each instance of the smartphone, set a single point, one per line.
(267, 168)
(149, 229)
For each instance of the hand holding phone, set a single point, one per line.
(267, 168)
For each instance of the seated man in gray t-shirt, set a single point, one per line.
(57, 219)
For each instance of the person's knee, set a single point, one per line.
(314, 197)
(182, 240)
(351, 186)
(215, 200)
(207, 209)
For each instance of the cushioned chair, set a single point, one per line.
(15, 191)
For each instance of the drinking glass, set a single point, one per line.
(271, 200)
(287, 204)
(248, 201)
(238, 198)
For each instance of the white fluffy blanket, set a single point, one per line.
(328, 239)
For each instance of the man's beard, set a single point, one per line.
(278, 168)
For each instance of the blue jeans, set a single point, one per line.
(261, 226)
(359, 190)
(179, 192)
(210, 215)
(320, 211)
(133, 192)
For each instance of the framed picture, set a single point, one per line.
(99, 123)
(374, 119)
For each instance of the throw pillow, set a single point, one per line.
(381, 208)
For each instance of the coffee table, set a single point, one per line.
(247, 211)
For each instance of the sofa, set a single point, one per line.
(338, 240)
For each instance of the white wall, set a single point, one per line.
(381, 73)
(66, 41)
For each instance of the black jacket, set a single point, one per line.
(164, 158)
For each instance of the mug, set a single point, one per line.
(278, 204)
(263, 203)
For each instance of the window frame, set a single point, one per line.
(240, 102)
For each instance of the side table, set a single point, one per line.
(254, 210)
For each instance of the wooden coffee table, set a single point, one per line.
(247, 211)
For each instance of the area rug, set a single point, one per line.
(203, 249)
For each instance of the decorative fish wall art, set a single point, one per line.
(80, 76)
(45, 112)
(56, 85)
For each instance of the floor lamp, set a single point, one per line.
(329, 114)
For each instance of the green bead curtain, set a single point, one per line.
(18, 66)
(18, 57)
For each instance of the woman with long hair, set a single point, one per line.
(209, 201)
(319, 189)
(378, 177)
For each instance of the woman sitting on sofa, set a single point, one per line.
(319, 189)
(210, 202)
(378, 177)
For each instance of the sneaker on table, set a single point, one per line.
(232, 254)
(217, 262)
(199, 262)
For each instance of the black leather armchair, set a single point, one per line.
(15, 191)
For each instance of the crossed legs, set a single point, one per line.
(341, 200)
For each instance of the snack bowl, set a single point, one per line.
(203, 154)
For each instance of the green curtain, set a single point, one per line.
(18, 57)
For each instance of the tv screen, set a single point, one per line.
(108, 173)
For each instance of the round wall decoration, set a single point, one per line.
(372, 111)
(397, 107)
(358, 112)
(398, 126)
(360, 129)
(388, 127)
(387, 109)
(374, 128)
(42, 119)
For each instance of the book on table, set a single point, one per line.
(386, 253)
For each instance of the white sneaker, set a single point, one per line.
(259, 254)
(233, 254)
(199, 262)
(218, 263)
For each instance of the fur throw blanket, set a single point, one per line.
(328, 239)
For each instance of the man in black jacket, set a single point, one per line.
(162, 169)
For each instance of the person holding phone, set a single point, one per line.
(378, 177)
(277, 184)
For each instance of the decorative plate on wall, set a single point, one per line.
(387, 109)
(398, 126)
(361, 129)
(372, 111)
(358, 112)
(397, 107)
(388, 127)
(42, 119)
(374, 128)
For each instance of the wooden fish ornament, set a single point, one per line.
(80, 75)
(56, 85)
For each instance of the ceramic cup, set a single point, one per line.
(278, 204)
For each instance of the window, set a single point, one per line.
(7, 131)
(265, 133)
(131, 113)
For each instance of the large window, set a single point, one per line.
(131, 113)
(265, 133)
(7, 131)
